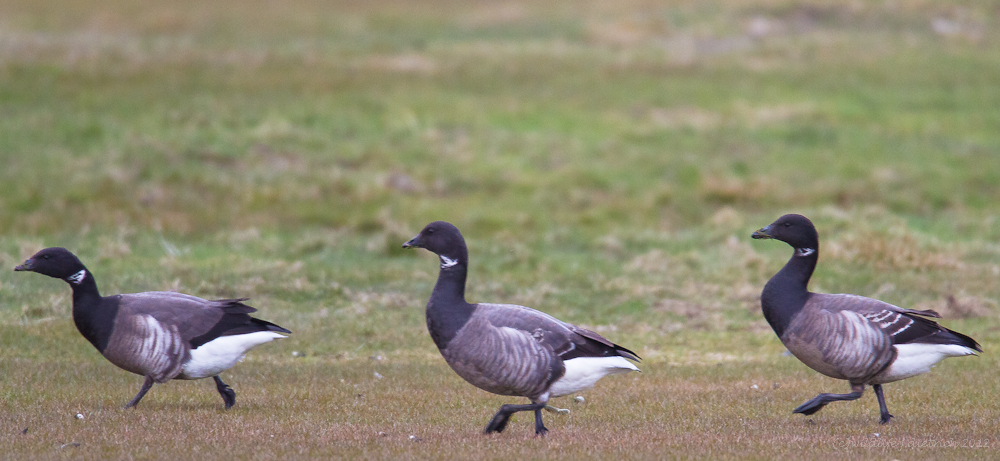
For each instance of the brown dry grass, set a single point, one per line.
(713, 405)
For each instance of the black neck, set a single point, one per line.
(93, 315)
(787, 292)
(447, 310)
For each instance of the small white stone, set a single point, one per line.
(79, 416)
(754, 387)
(876, 435)
(378, 375)
(579, 399)
(295, 353)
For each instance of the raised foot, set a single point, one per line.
(541, 431)
(497, 424)
(502, 416)
(810, 407)
(885, 419)
(817, 403)
(552, 409)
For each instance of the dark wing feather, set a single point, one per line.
(192, 316)
(567, 340)
(235, 324)
(930, 332)
(598, 346)
(234, 306)
(927, 313)
(199, 320)
(904, 326)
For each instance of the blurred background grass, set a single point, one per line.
(605, 160)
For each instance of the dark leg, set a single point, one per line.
(499, 421)
(227, 393)
(881, 404)
(817, 403)
(142, 393)
(540, 429)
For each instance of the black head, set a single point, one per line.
(443, 239)
(55, 262)
(793, 229)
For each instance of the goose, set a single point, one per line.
(159, 335)
(508, 349)
(861, 340)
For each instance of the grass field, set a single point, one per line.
(606, 161)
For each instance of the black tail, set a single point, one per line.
(953, 337)
(236, 324)
(627, 353)
(268, 326)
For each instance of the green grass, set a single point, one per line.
(605, 161)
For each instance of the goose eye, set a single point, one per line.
(788, 224)
(430, 231)
(45, 256)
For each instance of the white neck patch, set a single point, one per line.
(76, 278)
(447, 262)
(804, 251)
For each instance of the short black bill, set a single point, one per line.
(762, 233)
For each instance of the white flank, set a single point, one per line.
(583, 372)
(222, 353)
(914, 359)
